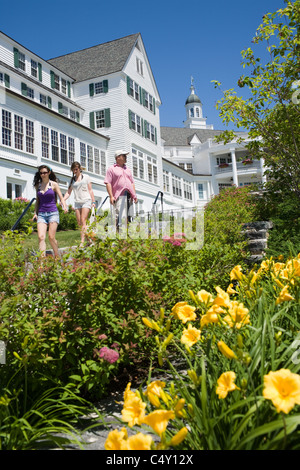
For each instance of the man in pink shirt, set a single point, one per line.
(120, 185)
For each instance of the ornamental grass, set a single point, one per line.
(239, 386)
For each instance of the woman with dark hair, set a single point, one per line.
(84, 198)
(46, 212)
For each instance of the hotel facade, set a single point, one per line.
(85, 105)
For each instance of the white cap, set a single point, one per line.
(120, 152)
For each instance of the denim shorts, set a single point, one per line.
(48, 217)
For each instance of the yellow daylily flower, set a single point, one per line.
(184, 312)
(230, 289)
(226, 384)
(133, 411)
(284, 296)
(236, 273)
(212, 315)
(116, 440)
(139, 441)
(238, 315)
(222, 298)
(158, 420)
(283, 389)
(190, 336)
(155, 387)
(204, 296)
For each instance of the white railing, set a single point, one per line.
(241, 167)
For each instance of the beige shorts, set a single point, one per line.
(85, 204)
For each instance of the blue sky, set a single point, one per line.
(195, 38)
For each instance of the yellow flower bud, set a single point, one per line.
(226, 351)
(167, 340)
(179, 437)
(239, 341)
(193, 376)
(191, 410)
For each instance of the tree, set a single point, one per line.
(271, 113)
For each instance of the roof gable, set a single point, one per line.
(96, 61)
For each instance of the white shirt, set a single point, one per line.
(80, 188)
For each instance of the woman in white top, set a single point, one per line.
(83, 196)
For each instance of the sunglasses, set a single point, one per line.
(44, 172)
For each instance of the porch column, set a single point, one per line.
(262, 169)
(234, 169)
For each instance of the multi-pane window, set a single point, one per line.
(100, 119)
(72, 114)
(29, 136)
(45, 142)
(13, 190)
(6, 127)
(187, 190)
(54, 146)
(83, 154)
(30, 93)
(135, 123)
(71, 150)
(21, 61)
(103, 162)
(136, 92)
(99, 88)
(150, 131)
(64, 86)
(152, 169)
(34, 68)
(56, 82)
(176, 186)
(90, 158)
(97, 161)
(200, 191)
(18, 132)
(43, 99)
(166, 181)
(138, 164)
(63, 149)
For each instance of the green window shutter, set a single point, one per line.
(143, 97)
(60, 106)
(145, 128)
(40, 71)
(69, 89)
(155, 135)
(129, 119)
(7, 80)
(154, 106)
(92, 120)
(52, 79)
(107, 117)
(77, 116)
(49, 102)
(105, 86)
(141, 94)
(142, 125)
(24, 89)
(16, 57)
(91, 89)
(128, 85)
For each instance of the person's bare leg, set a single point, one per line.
(84, 216)
(52, 239)
(42, 230)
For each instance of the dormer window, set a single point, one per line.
(34, 68)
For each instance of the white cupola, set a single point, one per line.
(194, 115)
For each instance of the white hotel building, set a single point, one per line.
(87, 104)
